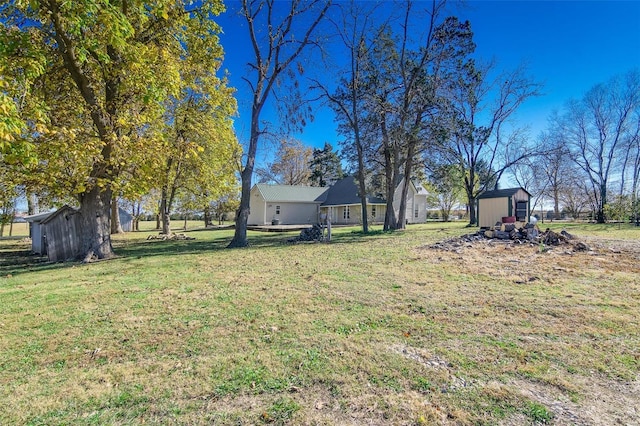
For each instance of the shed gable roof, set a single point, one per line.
(60, 211)
(501, 193)
(290, 193)
(38, 217)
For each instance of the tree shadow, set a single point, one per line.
(16, 259)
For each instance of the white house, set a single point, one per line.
(284, 204)
(416, 207)
(296, 205)
(343, 204)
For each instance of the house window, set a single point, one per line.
(415, 212)
(346, 214)
(373, 211)
(277, 209)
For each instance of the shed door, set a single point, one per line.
(521, 211)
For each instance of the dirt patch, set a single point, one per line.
(609, 262)
(524, 262)
(604, 402)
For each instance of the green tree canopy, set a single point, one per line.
(87, 82)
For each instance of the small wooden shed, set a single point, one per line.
(36, 232)
(62, 234)
(493, 206)
(126, 220)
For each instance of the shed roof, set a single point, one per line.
(345, 192)
(58, 212)
(501, 193)
(290, 193)
(39, 217)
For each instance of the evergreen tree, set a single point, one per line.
(326, 167)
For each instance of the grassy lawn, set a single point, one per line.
(376, 329)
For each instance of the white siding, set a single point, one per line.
(414, 200)
(257, 209)
(292, 213)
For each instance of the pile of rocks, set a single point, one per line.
(171, 237)
(309, 234)
(512, 233)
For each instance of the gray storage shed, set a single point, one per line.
(62, 234)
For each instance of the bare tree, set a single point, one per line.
(353, 29)
(277, 40)
(597, 128)
(480, 131)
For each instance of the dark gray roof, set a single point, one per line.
(345, 192)
(501, 193)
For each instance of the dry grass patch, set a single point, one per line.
(365, 330)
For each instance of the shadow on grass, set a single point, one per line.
(17, 259)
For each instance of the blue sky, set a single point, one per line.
(569, 46)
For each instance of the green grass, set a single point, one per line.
(367, 329)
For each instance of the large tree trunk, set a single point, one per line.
(390, 220)
(600, 216)
(95, 225)
(242, 215)
(116, 226)
(207, 216)
(32, 204)
(165, 216)
(471, 200)
(408, 170)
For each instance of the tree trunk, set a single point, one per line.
(95, 225)
(473, 220)
(164, 215)
(408, 170)
(600, 217)
(207, 216)
(242, 215)
(32, 204)
(390, 220)
(361, 182)
(116, 226)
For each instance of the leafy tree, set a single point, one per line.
(619, 209)
(421, 72)
(388, 101)
(120, 60)
(445, 188)
(200, 146)
(8, 196)
(326, 166)
(223, 206)
(278, 35)
(291, 164)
